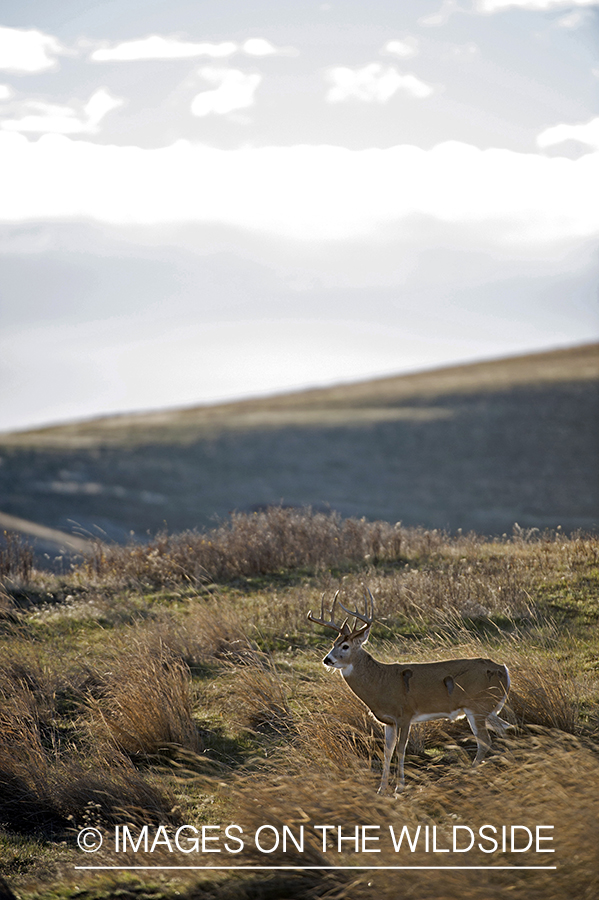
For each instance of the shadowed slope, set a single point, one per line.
(473, 447)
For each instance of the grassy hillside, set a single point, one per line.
(473, 447)
(179, 684)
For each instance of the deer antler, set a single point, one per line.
(340, 629)
(368, 619)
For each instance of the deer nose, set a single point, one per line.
(328, 661)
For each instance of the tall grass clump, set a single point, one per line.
(545, 692)
(258, 698)
(462, 570)
(249, 545)
(16, 557)
(51, 774)
(145, 703)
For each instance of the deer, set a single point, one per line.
(400, 694)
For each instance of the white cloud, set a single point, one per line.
(447, 9)
(27, 51)
(49, 118)
(99, 105)
(405, 49)
(587, 133)
(262, 47)
(304, 192)
(571, 20)
(492, 6)
(157, 47)
(6, 92)
(234, 90)
(373, 83)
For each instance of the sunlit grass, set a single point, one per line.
(147, 696)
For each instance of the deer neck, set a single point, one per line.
(363, 676)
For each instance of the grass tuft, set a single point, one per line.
(145, 702)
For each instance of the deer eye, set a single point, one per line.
(345, 646)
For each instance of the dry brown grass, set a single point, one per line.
(59, 765)
(145, 702)
(105, 689)
(553, 782)
(211, 630)
(260, 697)
(546, 693)
(48, 783)
(16, 556)
(336, 729)
(412, 572)
(249, 545)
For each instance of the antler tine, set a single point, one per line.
(322, 621)
(359, 616)
(366, 596)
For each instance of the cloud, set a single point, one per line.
(447, 9)
(405, 49)
(488, 7)
(48, 118)
(262, 47)
(27, 51)
(157, 47)
(373, 83)
(586, 133)
(304, 193)
(493, 6)
(6, 92)
(234, 90)
(572, 20)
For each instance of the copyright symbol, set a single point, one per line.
(89, 840)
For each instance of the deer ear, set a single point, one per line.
(345, 629)
(363, 635)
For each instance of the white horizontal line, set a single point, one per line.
(306, 868)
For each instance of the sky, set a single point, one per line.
(204, 201)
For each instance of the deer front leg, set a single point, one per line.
(404, 734)
(390, 740)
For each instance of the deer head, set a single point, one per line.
(349, 639)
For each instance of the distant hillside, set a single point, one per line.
(474, 447)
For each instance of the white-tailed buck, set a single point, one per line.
(399, 694)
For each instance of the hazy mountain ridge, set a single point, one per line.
(475, 447)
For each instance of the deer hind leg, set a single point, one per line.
(478, 724)
(496, 724)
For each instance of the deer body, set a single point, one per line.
(399, 695)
